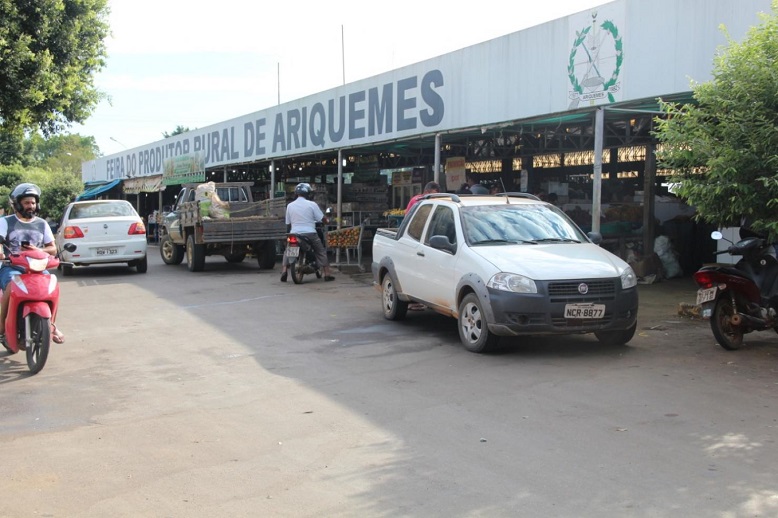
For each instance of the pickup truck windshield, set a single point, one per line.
(520, 224)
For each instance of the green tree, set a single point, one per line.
(49, 53)
(59, 152)
(179, 130)
(57, 189)
(722, 147)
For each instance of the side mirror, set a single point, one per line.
(442, 243)
(595, 237)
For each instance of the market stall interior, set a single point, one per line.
(552, 157)
(549, 156)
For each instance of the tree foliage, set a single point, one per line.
(57, 189)
(723, 147)
(49, 53)
(179, 130)
(60, 152)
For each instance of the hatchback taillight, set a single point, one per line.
(72, 233)
(137, 228)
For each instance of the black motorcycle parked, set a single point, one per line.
(740, 298)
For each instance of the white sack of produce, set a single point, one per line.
(219, 209)
(664, 250)
(205, 191)
(210, 203)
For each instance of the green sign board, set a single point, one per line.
(184, 169)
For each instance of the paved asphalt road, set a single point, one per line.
(227, 393)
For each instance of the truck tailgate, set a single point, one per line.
(242, 230)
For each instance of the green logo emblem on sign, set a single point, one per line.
(595, 63)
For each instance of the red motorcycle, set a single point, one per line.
(32, 306)
(740, 298)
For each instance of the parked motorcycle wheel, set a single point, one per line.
(38, 346)
(729, 337)
(297, 269)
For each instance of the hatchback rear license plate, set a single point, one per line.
(579, 311)
(107, 251)
(706, 295)
(293, 251)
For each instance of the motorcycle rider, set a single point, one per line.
(303, 214)
(23, 229)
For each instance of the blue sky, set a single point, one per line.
(175, 62)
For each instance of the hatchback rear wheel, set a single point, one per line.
(142, 265)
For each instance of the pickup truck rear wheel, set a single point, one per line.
(266, 255)
(195, 255)
(171, 253)
(394, 308)
(473, 330)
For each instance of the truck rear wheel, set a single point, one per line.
(195, 255)
(266, 255)
(393, 307)
(171, 253)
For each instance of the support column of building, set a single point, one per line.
(272, 179)
(507, 173)
(649, 189)
(436, 171)
(599, 126)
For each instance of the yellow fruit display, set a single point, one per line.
(343, 238)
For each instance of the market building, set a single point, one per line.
(566, 107)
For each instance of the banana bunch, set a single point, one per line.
(395, 212)
(343, 238)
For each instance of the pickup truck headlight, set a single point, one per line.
(512, 282)
(628, 279)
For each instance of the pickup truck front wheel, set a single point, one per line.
(195, 255)
(473, 330)
(171, 253)
(394, 308)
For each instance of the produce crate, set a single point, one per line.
(349, 240)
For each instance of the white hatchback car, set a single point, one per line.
(104, 232)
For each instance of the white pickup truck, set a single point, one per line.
(504, 265)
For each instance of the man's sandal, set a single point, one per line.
(56, 336)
